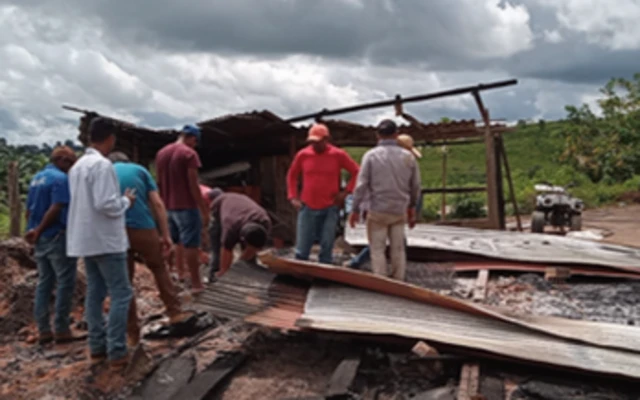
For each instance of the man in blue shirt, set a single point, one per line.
(47, 204)
(144, 239)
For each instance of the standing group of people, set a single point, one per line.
(107, 210)
(386, 192)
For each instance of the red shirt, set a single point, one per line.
(172, 164)
(320, 176)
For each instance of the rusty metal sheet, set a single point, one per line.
(598, 334)
(514, 246)
(344, 309)
(256, 295)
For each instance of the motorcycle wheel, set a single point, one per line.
(576, 223)
(537, 222)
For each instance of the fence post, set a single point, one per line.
(13, 189)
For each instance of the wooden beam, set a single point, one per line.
(512, 192)
(491, 162)
(480, 291)
(469, 386)
(13, 189)
(499, 184)
(411, 99)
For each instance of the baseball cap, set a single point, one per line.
(191, 130)
(318, 132)
(63, 152)
(406, 142)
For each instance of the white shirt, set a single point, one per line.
(96, 222)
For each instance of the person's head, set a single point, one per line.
(405, 141)
(63, 157)
(190, 135)
(102, 135)
(387, 129)
(318, 137)
(253, 236)
(214, 193)
(118, 156)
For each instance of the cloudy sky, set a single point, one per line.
(166, 62)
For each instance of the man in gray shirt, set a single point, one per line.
(390, 178)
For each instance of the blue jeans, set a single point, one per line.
(107, 274)
(54, 266)
(316, 225)
(185, 227)
(365, 256)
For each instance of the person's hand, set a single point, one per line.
(32, 236)
(167, 245)
(338, 200)
(353, 219)
(131, 195)
(296, 203)
(411, 217)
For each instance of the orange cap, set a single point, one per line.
(318, 132)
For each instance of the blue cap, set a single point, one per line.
(191, 130)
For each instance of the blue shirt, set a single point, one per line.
(48, 187)
(134, 176)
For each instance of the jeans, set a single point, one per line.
(215, 237)
(186, 227)
(381, 227)
(107, 274)
(54, 266)
(316, 224)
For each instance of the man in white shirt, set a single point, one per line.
(96, 231)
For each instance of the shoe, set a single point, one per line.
(119, 364)
(97, 358)
(45, 338)
(67, 337)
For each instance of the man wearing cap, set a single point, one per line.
(47, 204)
(390, 179)
(235, 218)
(177, 167)
(144, 240)
(405, 141)
(320, 165)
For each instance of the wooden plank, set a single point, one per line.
(480, 291)
(499, 184)
(512, 193)
(342, 377)
(205, 384)
(13, 189)
(469, 386)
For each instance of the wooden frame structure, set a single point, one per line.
(268, 144)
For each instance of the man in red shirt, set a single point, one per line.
(177, 169)
(320, 165)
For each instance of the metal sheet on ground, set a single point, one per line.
(516, 246)
(344, 309)
(599, 334)
(252, 293)
(465, 266)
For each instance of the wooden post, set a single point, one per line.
(512, 192)
(443, 209)
(13, 190)
(499, 185)
(490, 155)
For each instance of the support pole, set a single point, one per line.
(443, 208)
(490, 155)
(512, 192)
(13, 190)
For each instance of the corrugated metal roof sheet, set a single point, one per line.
(256, 295)
(515, 246)
(344, 309)
(599, 334)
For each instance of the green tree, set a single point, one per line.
(607, 147)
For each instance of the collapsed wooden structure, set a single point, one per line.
(251, 152)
